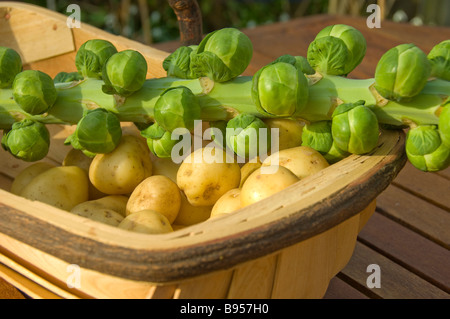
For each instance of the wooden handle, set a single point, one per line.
(189, 19)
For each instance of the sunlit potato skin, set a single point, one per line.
(146, 221)
(206, 174)
(120, 171)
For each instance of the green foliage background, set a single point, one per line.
(125, 17)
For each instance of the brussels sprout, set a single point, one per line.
(354, 128)
(337, 50)
(279, 89)
(34, 91)
(124, 73)
(247, 136)
(178, 64)
(425, 149)
(64, 77)
(159, 140)
(91, 57)
(299, 62)
(98, 131)
(27, 140)
(177, 107)
(318, 136)
(10, 66)
(222, 55)
(439, 58)
(402, 72)
(444, 125)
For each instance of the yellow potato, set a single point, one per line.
(189, 214)
(228, 203)
(158, 193)
(166, 167)
(27, 174)
(146, 221)
(206, 174)
(77, 158)
(262, 184)
(290, 132)
(301, 160)
(62, 186)
(120, 171)
(108, 210)
(247, 169)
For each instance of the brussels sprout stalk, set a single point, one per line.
(228, 99)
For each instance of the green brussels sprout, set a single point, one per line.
(444, 125)
(425, 149)
(222, 55)
(34, 91)
(124, 73)
(64, 77)
(337, 50)
(299, 62)
(98, 131)
(439, 58)
(178, 64)
(159, 140)
(27, 140)
(402, 72)
(10, 66)
(177, 107)
(91, 57)
(280, 89)
(318, 136)
(247, 136)
(354, 128)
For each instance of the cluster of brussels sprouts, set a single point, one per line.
(342, 115)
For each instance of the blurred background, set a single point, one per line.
(153, 21)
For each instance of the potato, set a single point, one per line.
(301, 160)
(117, 203)
(189, 214)
(206, 174)
(247, 169)
(262, 184)
(166, 167)
(146, 221)
(228, 203)
(77, 158)
(27, 174)
(108, 210)
(290, 132)
(62, 186)
(120, 171)
(158, 193)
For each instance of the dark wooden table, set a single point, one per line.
(408, 237)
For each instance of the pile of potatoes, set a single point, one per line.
(131, 189)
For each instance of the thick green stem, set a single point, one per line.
(225, 100)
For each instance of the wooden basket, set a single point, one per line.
(287, 246)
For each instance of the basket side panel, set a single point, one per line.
(209, 286)
(254, 279)
(305, 269)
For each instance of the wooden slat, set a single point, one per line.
(396, 281)
(416, 213)
(429, 186)
(339, 289)
(19, 30)
(404, 246)
(8, 291)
